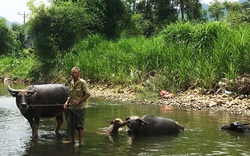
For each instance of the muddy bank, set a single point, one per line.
(190, 99)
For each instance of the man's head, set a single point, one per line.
(75, 73)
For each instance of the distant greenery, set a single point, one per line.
(12, 38)
(182, 56)
(234, 12)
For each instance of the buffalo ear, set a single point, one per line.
(142, 122)
(30, 93)
(127, 120)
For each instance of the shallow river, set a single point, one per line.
(202, 135)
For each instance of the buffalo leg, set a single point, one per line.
(30, 120)
(35, 127)
(66, 113)
(59, 119)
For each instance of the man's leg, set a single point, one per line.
(80, 131)
(73, 138)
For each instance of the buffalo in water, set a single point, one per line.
(41, 101)
(150, 125)
(237, 127)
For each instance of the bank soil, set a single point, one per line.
(219, 100)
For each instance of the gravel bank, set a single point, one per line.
(190, 99)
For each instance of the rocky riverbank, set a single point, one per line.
(221, 100)
(193, 99)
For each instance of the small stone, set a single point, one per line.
(212, 104)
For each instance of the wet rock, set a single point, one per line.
(212, 104)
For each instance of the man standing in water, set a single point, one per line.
(76, 103)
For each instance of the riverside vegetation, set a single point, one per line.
(183, 57)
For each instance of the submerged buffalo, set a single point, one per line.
(150, 125)
(41, 101)
(237, 127)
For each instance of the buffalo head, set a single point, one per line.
(237, 127)
(134, 124)
(21, 97)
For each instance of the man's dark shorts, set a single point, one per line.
(76, 120)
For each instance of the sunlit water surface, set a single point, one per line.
(202, 135)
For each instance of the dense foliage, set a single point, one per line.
(133, 43)
(12, 39)
(6, 39)
(183, 55)
(56, 29)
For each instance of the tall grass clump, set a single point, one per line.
(16, 68)
(215, 50)
(108, 61)
(181, 56)
(5, 65)
(231, 52)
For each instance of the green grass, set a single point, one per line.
(16, 68)
(183, 55)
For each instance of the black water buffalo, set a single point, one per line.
(41, 101)
(237, 127)
(150, 125)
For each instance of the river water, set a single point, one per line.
(202, 135)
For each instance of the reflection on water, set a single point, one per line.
(12, 126)
(202, 135)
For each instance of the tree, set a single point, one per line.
(204, 17)
(155, 14)
(216, 10)
(55, 29)
(7, 38)
(182, 9)
(237, 13)
(113, 15)
(246, 11)
(19, 34)
(116, 17)
(132, 5)
(145, 8)
(165, 12)
(193, 10)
